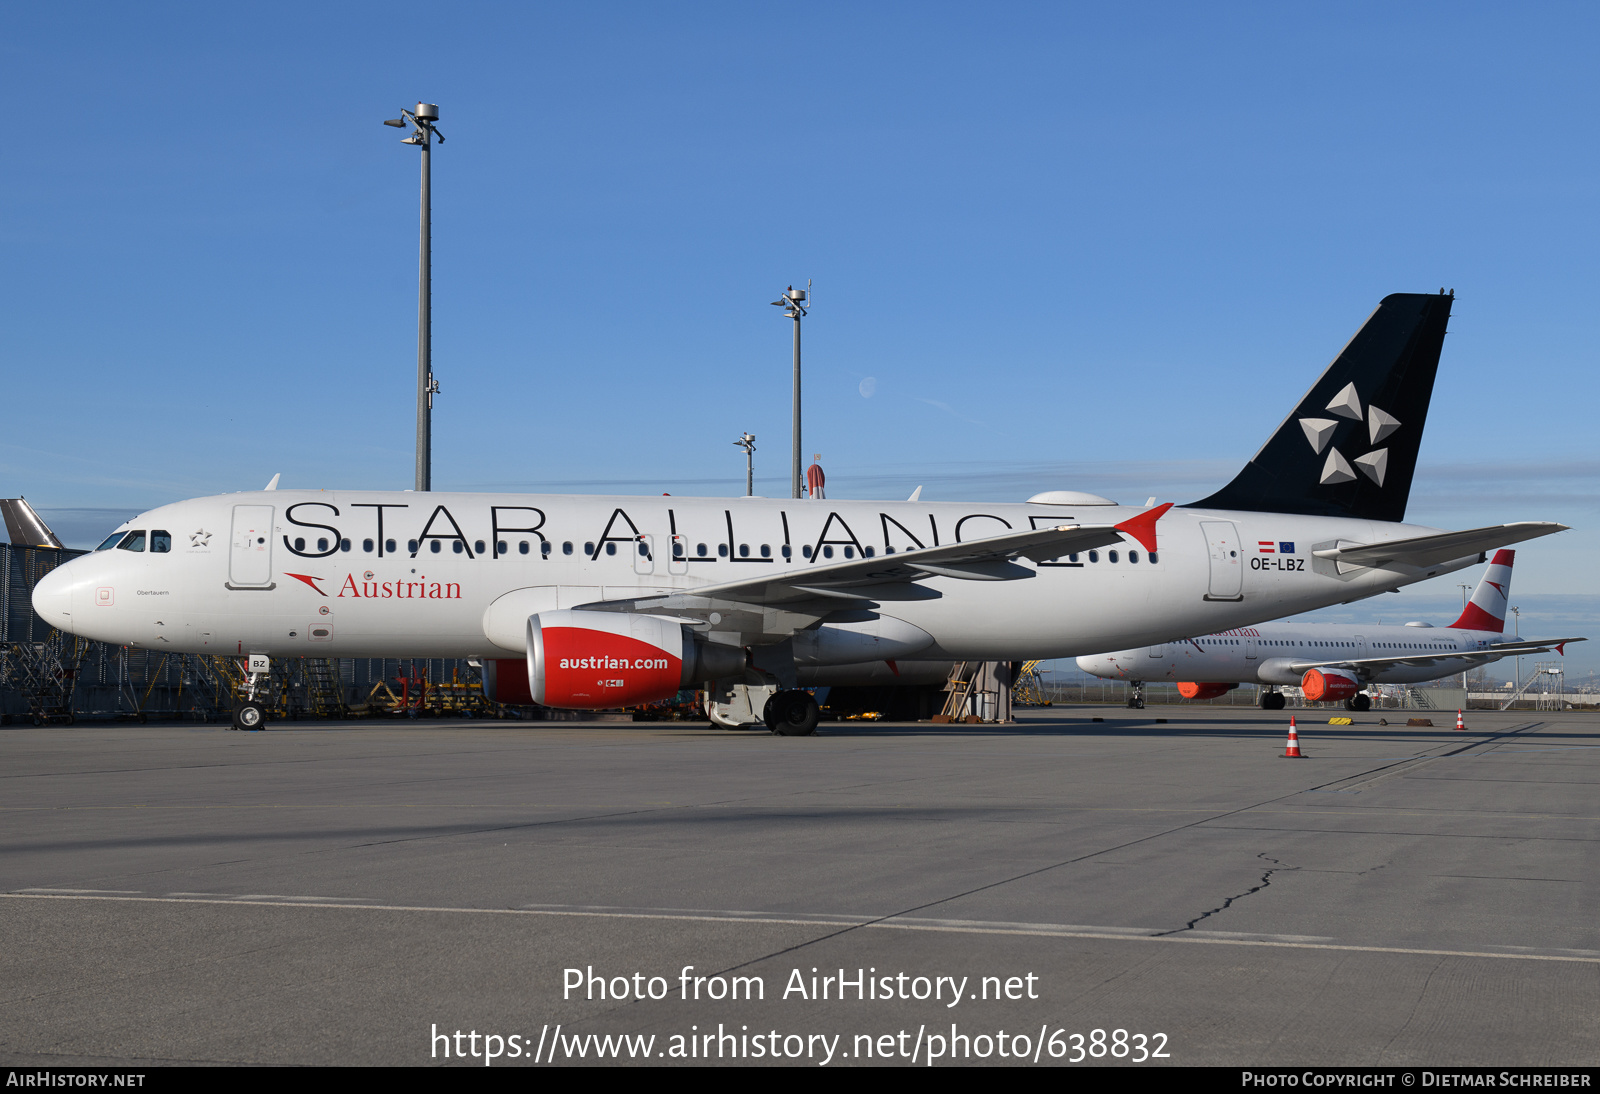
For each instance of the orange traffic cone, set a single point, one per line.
(1292, 749)
(1460, 725)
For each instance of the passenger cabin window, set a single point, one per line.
(160, 541)
(1133, 556)
(367, 545)
(1153, 558)
(433, 545)
(133, 541)
(588, 550)
(1111, 556)
(700, 549)
(456, 545)
(611, 548)
(744, 550)
(566, 548)
(300, 543)
(722, 550)
(344, 545)
(322, 544)
(766, 551)
(545, 547)
(478, 546)
(788, 552)
(827, 552)
(388, 545)
(411, 545)
(1094, 556)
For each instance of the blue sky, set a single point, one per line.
(1082, 246)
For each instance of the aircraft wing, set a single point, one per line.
(988, 559)
(895, 577)
(1367, 667)
(1543, 645)
(1427, 550)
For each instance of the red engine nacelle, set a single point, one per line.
(1204, 691)
(1324, 685)
(592, 660)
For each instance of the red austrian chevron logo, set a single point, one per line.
(309, 580)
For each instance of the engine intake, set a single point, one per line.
(1324, 685)
(587, 660)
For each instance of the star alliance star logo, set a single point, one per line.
(200, 538)
(1380, 425)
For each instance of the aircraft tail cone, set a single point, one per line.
(1460, 725)
(1291, 751)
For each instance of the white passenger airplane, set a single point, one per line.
(588, 602)
(1330, 661)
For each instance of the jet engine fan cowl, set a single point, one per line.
(1204, 691)
(1329, 685)
(588, 660)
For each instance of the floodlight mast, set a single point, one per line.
(795, 303)
(747, 441)
(423, 129)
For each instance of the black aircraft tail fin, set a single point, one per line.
(1350, 447)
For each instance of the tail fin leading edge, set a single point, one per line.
(1350, 447)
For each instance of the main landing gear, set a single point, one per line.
(792, 713)
(1272, 700)
(1358, 703)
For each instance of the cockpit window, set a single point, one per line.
(133, 541)
(111, 541)
(160, 541)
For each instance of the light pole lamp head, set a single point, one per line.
(398, 123)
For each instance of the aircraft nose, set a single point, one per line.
(52, 598)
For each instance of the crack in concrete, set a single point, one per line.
(1266, 880)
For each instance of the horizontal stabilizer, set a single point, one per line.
(1429, 550)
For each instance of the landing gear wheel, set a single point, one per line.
(1358, 703)
(249, 716)
(1273, 700)
(792, 714)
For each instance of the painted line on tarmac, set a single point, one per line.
(942, 926)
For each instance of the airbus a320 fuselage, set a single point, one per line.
(609, 600)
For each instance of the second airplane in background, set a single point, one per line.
(1331, 661)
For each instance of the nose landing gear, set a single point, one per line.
(1136, 697)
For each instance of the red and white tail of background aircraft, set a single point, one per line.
(1331, 661)
(588, 602)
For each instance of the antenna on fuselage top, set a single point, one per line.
(273, 485)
